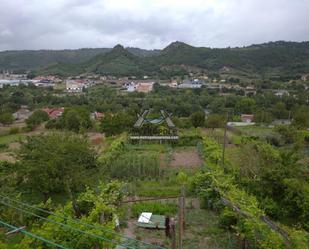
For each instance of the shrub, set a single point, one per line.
(227, 218)
(14, 130)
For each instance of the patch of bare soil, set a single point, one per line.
(5, 156)
(14, 146)
(96, 138)
(186, 159)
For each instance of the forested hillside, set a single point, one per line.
(33, 59)
(265, 60)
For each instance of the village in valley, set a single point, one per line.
(154, 124)
(154, 141)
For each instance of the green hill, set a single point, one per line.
(118, 61)
(268, 59)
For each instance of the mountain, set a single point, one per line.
(264, 60)
(118, 61)
(33, 59)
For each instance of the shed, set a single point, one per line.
(149, 220)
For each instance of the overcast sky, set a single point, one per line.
(59, 24)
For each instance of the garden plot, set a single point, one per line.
(186, 158)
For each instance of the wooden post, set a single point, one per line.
(224, 142)
(183, 193)
(173, 234)
(181, 216)
(180, 222)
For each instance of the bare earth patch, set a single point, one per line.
(14, 146)
(95, 138)
(5, 156)
(186, 159)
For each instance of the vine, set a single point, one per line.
(219, 191)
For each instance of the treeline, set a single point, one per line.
(124, 108)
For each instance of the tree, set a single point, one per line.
(198, 119)
(72, 121)
(215, 121)
(98, 208)
(116, 124)
(6, 118)
(36, 119)
(76, 120)
(245, 105)
(301, 117)
(263, 116)
(55, 162)
(280, 111)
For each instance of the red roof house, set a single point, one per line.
(54, 112)
(246, 118)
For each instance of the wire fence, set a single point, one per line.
(120, 240)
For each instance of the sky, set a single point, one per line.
(150, 24)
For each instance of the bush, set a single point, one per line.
(3, 146)
(6, 118)
(36, 119)
(227, 218)
(198, 119)
(14, 130)
(215, 121)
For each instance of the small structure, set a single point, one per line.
(54, 112)
(149, 220)
(76, 86)
(144, 87)
(191, 84)
(22, 114)
(235, 124)
(97, 115)
(247, 118)
(282, 122)
(250, 91)
(305, 77)
(281, 92)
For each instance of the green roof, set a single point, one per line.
(156, 221)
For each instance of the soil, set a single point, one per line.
(186, 159)
(5, 156)
(96, 138)
(14, 146)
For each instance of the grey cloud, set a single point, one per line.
(57, 24)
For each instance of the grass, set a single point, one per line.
(203, 231)
(6, 139)
(163, 188)
(156, 208)
(257, 131)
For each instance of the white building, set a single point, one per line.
(75, 86)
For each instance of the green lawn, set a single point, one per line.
(6, 139)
